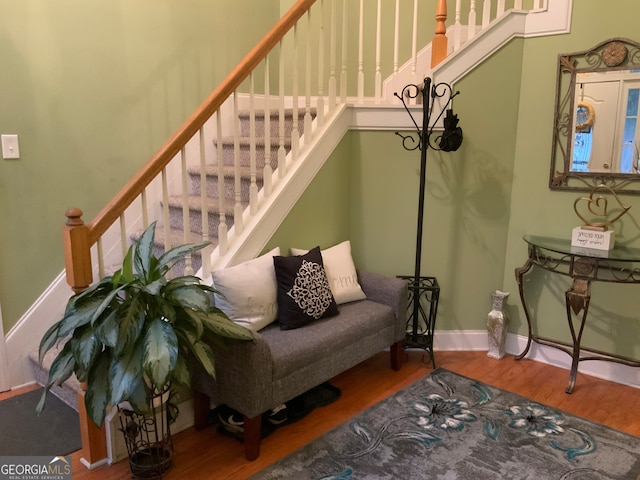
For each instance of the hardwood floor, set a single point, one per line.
(208, 455)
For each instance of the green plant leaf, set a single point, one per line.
(48, 340)
(61, 367)
(125, 274)
(106, 329)
(79, 315)
(144, 251)
(166, 309)
(160, 352)
(139, 398)
(97, 396)
(183, 280)
(85, 346)
(155, 287)
(104, 284)
(182, 373)
(191, 325)
(106, 302)
(169, 258)
(125, 372)
(217, 323)
(131, 324)
(190, 296)
(204, 355)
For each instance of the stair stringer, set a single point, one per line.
(259, 228)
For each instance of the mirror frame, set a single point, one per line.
(612, 54)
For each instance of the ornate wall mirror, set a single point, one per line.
(596, 130)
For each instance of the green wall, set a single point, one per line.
(321, 216)
(93, 89)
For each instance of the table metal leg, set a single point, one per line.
(520, 273)
(577, 299)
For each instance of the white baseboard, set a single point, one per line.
(476, 340)
(24, 337)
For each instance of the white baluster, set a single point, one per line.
(165, 211)
(361, 54)
(267, 185)
(145, 209)
(396, 38)
(457, 39)
(238, 224)
(186, 217)
(282, 153)
(124, 242)
(332, 57)
(471, 28)
(253, 187)
(517, 5)
(378, 79)
(204, 207)
(100, 255)
(499, 8)
(295, 131)
(320, 99)
(343, 73)
(486, 14)
(223, 237)
(307, 84)
(414, 43)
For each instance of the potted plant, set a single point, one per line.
(133, 336)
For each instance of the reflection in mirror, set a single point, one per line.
(596, 135)
(608, 144)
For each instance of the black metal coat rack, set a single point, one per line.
(447, 139)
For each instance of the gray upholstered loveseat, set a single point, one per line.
(254, 377)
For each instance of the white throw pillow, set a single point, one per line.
(249, 291)
(341, 272)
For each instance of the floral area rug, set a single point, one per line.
(449, 427)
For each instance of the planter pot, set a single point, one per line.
(148, 437)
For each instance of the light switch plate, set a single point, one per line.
(10, 148)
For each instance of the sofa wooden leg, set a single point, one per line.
(252, 437)
(396, 352)
(201, 408)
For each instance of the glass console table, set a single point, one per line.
(619, 265)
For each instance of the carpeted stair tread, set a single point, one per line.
(228, 171)
(177, 238)
(67, 392)
(213, 204)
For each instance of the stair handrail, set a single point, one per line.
(78, 237)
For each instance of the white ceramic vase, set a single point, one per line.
(497, 325)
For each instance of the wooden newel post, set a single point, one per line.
(439, 44)
(77, 261)
(77, 251)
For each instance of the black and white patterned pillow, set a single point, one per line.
(304, 294)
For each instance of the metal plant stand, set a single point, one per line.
(423, 290)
